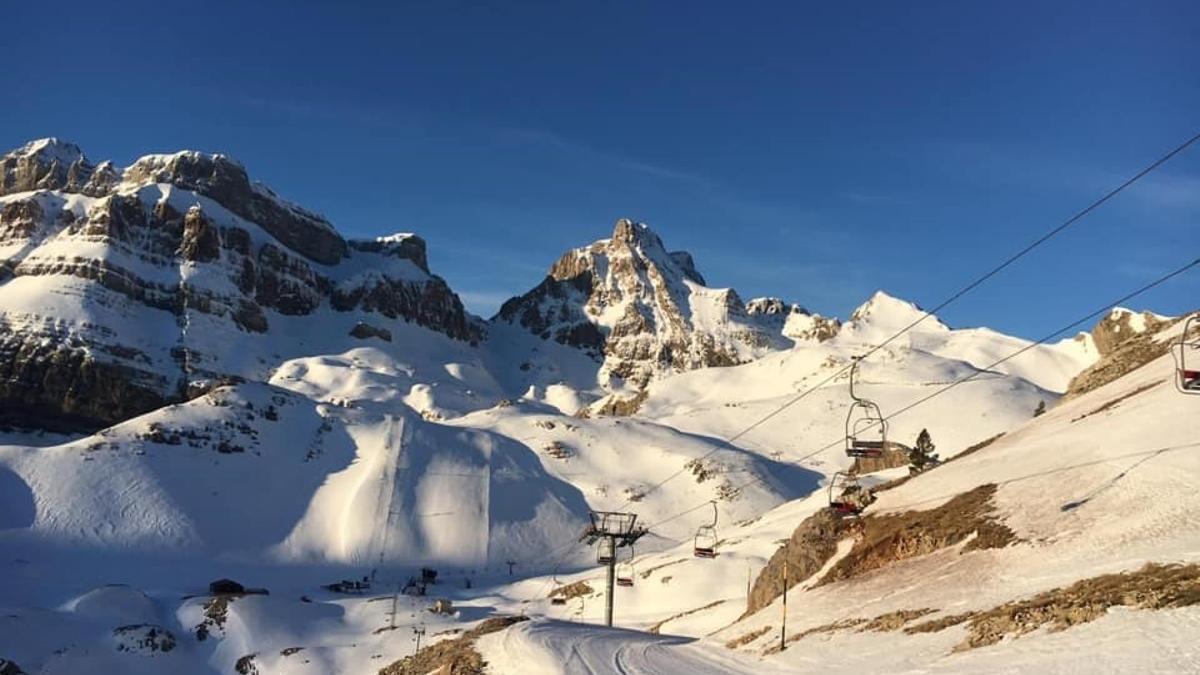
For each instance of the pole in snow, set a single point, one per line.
(418, 632)
(783, 621)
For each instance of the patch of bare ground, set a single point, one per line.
(889, 538)
(1117, 401)
(451, 657)
(811, 545)
(836, 626)
(571, 591)
(1155, 586)
(940, 624)
(658, 626)
(886, 623)
(746, 639)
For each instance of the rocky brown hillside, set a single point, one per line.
(1126, 341)
(639, 310)
(118, 289)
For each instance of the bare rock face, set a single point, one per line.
(639, 310)
(793, 321)
(174, 271)
(1123, 325)
(363, 330)
(225, 182)
(811, 545)
(1126, 341)
(46, 164)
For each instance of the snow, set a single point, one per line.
(357, 474)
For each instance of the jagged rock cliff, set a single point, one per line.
(793, 321)
(120, 288)
(639, 310)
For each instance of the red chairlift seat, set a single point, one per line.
(1185, 354)
(868, 449)
(845, 509)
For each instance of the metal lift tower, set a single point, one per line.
(612, 531)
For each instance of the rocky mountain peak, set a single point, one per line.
(44, 164)
(633, 233)
(51, 150)
(225, 181)
(885, 311)
(400, 245)
(641, 311)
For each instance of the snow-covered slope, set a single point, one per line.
(1099, 486)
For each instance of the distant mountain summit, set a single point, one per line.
(639, 309)
(120, 289)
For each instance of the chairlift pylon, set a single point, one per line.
(866, 429)
(705, 543)
(1187, 358)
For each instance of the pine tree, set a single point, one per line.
(1041, 408)
(922, 455)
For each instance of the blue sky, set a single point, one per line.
(805, 150)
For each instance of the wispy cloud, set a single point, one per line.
(1174, 191)
(554, 141)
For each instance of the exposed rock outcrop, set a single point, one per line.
(151, 265)
(793, 321)
(1126, 341)
(640, 310)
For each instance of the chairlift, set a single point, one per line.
(705, 543)
(606, 551)
(847, 497)
(866, 429)
(1187, 358)
(556, 599)
(625, 570)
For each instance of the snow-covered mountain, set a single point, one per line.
(250, 394)
(122, 289)
(639, 310)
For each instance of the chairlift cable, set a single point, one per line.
(1079, 215)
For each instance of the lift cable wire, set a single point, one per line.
(954, 297)
(958, 294)
(941, 390)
